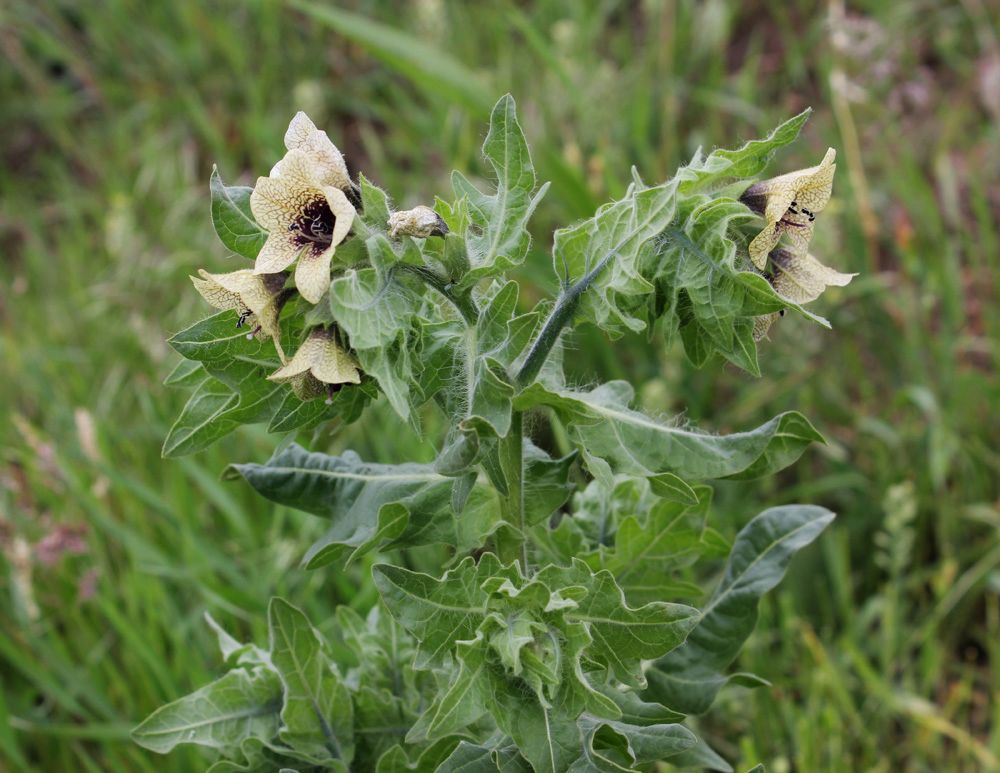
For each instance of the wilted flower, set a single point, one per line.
(257, 298)
(320, 365)
(420, 221)
(306, 218)
(800, 279)
(789, 204)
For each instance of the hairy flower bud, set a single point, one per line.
(420, 221)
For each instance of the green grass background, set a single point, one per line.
(883, 644)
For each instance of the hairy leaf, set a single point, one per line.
(689, 678)
(611, 246)
(232, 218)
(317, 713)
(614, 438)
(369, 505)
(242, 704)
(498, 239)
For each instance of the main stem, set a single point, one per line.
(513, 545)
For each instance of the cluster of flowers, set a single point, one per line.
(789, 205)
(307, 205)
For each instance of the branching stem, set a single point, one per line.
(561, 315)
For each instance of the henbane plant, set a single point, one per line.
(559, 625)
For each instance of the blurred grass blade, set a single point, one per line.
(425, 65)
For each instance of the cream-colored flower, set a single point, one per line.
(256, 298)
(789, 205)
(304, 218)
(420, 221)
(319, 366)
(328, 162)
(800, 279)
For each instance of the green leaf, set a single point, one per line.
(223, 348)
(701, 756)
(611, 247)
(242, 704)
(648, 552)
(317, 715)
(370, 505)
(186, 373)
(747, 161)
(463, 702)
(499, 237)
(614, 438)
(378, 317)
(546, 483)
(689, 678)
(669, 486)
(440, 612)
(641, 743)
(375, 204)
(622, 636)
(346, 404)
(214, 410)
(547, 737)
(232, 218)
(437, 72)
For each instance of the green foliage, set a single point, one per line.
(532, 651)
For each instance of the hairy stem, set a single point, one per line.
(512, 505)
(561, 315)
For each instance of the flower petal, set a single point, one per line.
(327, 161)
(816, 187)
(762, 324)
(307, 387)
(801, 278)
(763, 243)
(312, 274)
(278, 200)
(218, 296)
(277, 254)
(335, 366)
(342, 210)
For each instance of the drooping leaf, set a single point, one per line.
(614, 438)
(317, 715)
(369, 505)
(689, 678)
(499, 237)
(241, 704)
(639, 744)
(232, 218)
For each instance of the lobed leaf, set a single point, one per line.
(498, 238)
(614, 438)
